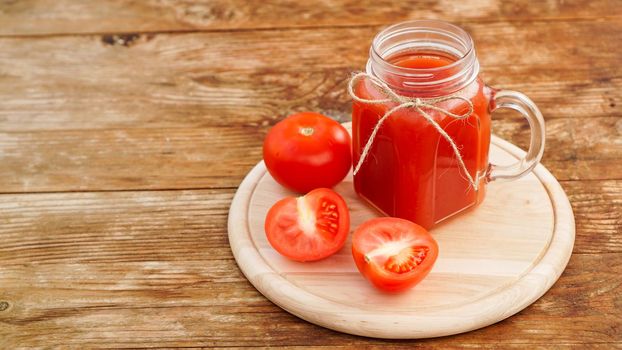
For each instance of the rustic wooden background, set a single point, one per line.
(126, 126)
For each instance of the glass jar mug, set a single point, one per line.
(424, 74)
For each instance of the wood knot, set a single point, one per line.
(126, 40)
(3, 305)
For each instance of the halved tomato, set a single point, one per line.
(310, 227)
(393, 254)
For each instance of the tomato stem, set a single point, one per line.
(306, 131)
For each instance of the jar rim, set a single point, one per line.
(421, 25)
(424, 36)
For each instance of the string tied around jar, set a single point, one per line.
(418, 104)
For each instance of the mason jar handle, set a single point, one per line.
(523, 105)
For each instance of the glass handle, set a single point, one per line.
(523, 105)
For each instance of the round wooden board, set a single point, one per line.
(493, 261)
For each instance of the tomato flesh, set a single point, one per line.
(310, 227)
(393, 254)
(406, 260)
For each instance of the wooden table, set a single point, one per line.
(126, 126)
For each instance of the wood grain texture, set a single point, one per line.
(70, 230)
(118, 95)
(154, 268)
(33, 17)
(127, 159)
(209, 303)
(213, 157)
(195, 80)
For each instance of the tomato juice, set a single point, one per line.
(411, 171)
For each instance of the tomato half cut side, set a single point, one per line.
(310, 227)
(393, 254)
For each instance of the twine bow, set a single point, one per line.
(419, 105)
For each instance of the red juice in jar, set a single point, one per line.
(415, 174)
(411, 170)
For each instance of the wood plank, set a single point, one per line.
(254, 78)
(216, 157)
(154, 269)
(124, 227)
(79, 160)
(97, 227)
(576, 149)
(34, 17)
(597, 207)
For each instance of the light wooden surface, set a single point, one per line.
(493, 261)
(126, 127)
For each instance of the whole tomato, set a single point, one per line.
(307, 151)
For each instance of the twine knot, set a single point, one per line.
(418, 104)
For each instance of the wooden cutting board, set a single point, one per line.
(493, 261)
